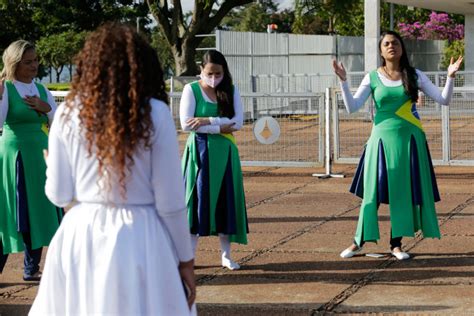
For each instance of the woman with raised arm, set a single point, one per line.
(211, 110)
(395, 167)
(124, 247)
(28, 220)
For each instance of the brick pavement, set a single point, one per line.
(298, 225)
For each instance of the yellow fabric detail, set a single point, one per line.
(45, 128)
(405, 113)
(230, 137)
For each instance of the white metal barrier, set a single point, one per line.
(449, 130)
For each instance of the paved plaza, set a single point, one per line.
(291, 266)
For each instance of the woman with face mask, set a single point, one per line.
(211, 111)
(28, 220)
(395, 167)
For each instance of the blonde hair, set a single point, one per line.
(12, 57)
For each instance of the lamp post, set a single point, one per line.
(138, 2)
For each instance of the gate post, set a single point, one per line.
(327, 136)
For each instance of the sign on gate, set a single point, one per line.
(266, 130)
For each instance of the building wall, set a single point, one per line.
(283, 54)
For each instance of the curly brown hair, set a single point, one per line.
(117, 72)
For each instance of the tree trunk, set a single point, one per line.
(181, 37)
(70, 72)
(58, 73)
(185, 59)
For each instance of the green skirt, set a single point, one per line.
(24, 207)
(214, 187)
(396, 169)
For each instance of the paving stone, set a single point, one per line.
(291, 265)
(410, 299)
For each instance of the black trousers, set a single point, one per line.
(394, 242)
(32, 257)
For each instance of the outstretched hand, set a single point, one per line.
(454, 66)
(339, 70)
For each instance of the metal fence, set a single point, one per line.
(300, 114)
(59, 96)
(300, 119)
(252, 54)
(449, 129)
(318, 82)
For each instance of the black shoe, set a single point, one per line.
(34, 277)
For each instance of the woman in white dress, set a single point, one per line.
(124, 248)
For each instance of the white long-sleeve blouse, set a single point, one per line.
(154, 178)
(187, 108)
(354, 102)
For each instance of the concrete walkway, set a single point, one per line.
(291, 266)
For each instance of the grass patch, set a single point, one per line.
(58, 86)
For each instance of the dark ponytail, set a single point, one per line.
(225, 89)
(409, 76)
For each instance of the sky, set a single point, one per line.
(282, 4)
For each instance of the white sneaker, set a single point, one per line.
(401, 255)
(349, 253)
(230, 264)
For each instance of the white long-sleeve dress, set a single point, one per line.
(112, 256)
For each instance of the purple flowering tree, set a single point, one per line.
(438, 27)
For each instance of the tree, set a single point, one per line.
(58, 50)
(252, 18)
(329, 16)
(452, 49)
(159, 42)
(439, 27)
(256, 17)
(181, 35)
(52, 17)
(32, 19)
(15, 22)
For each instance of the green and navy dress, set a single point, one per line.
(396, 169)
(213, 176)
(24, 207)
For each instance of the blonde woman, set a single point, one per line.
(28, 220)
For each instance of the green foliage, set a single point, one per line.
(328, 17)
(33, 19)
(256, 16)
(402, 15)
(163, 48)
(15, 22)
(58, 50)
(453, 49)
(53, 16)
(251, 18)
(58, 86)
(180, 33)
